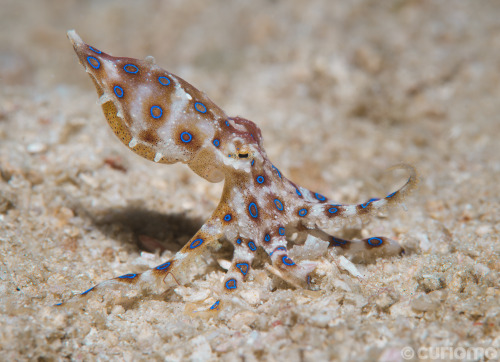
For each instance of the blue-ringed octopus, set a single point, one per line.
(163, 118)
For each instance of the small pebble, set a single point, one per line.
(37, 147)
(483, 230)
(350, 267)
(423, 303)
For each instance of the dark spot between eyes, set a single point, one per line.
(243, 155)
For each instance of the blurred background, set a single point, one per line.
(417, 64)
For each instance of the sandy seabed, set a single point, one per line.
(341, 90)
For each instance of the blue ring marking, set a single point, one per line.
(190, 137)
(58, 304)
(378, 243)
(278, 171)
(279, 204)
(216, 142)
(298, 192)
(195, 243)
(227, 123)
(281, 230)
(89, 58)
(287, 261)
(302, 212)
(163, 80)
(338, 242)
(252, 163)
(118, 91)
(251, 246)
(333, 210)
(255, 212)
(260, 179)
(152, 114)
(391, 195)
(319, 196)
(215, 305)
(97, 51)
(238, 241)
(127, 276)
(130, 71)
(267, 237)
(243, 267)
(200, 107)
(164, 266)
(308, 280)
(88, 290)
(278, 248)
(228, 217)
(365, 205)
(231, 284)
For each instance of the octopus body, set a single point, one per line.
(164, 119)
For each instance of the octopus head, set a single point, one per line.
(163, 118)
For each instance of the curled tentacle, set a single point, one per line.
(240, 265)
(169, 273)
(325, 215)
(360, 251)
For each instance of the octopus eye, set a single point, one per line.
(244, 152)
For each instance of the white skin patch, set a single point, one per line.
(380, 203)
(158, 157)
(180, 255)
(111, 70)
(178, 102)
(350, 210)
(132, 143)
(316, 211)
(141, 93)
(103, 99)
